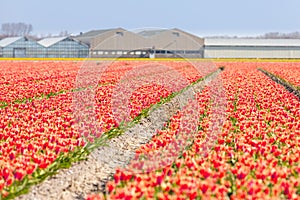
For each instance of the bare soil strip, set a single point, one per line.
(91, 175)
(289, 87)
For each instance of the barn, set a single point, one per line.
(251, 48)
(20, 47)
(64, 47)
(114, 42)
(119, 42)
(174, 43)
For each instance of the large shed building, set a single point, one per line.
(119, 42)
(252, 48)
(174, 42)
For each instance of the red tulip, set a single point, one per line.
(5, 173)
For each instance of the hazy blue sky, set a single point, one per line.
(202, 17)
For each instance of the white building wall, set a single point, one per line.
(251, 48)
(250, 52)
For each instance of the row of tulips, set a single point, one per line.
(288, 71)
(255, 156)
(24, 80)
(34, 134)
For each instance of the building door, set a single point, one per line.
(19, 53)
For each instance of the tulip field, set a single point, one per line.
(255, 153)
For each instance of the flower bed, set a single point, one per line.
(40, 135)
(255, 155)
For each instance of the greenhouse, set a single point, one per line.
(20, 47)
(64, 47)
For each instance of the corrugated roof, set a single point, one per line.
(251, 42)
(95, 32)
(89, 36)
(151, 33)
(194, 37)
(47, 42)
(7, 41)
